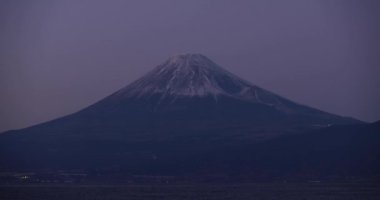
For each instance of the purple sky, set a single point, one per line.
(58, 56)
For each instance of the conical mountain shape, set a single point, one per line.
(191, 86)
(183, 109)
(190, 92)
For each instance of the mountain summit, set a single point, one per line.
(194, 75)
(188, 75)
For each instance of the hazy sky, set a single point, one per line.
(58, 56)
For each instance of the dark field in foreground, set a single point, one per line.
(291, 191)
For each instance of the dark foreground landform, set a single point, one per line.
(337, 154)
(258, 191)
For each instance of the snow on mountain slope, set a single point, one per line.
(190, 75)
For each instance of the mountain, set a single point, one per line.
(188, 92)
(184, 112)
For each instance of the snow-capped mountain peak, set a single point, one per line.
(189, 75)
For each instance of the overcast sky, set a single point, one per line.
(59, 56)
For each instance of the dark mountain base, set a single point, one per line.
(349, 152)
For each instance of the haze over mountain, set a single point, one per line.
(186, 109)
